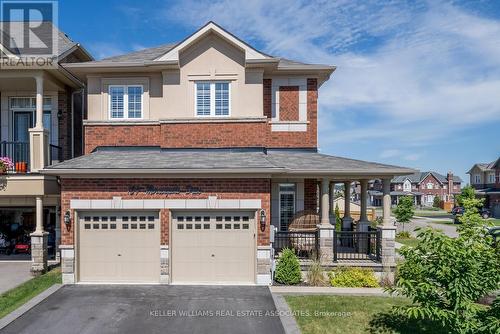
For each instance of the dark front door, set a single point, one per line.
(23, 121)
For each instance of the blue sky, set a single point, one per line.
(417, 83)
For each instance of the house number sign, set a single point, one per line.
(150, 189)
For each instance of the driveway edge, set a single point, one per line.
(311, 290)
(5, 321)
(286, 316)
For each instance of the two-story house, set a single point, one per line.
(194, 153)
(41, 114)
(424, 187)
(485, 178)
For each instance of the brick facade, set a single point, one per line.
(310, 194)
(208, 135)
(267, 98)
(289, 103)
(109, 188)
(64, 123)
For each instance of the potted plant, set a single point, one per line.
(5, 164)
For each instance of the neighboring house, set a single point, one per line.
(485, 178)
(424, 187)
(194, 152)
(35, 134)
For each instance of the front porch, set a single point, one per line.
(315, 234)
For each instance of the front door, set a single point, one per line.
(23, 121)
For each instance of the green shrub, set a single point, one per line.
(316, 274)
(288, 268)
(353, 278)
(404, 235)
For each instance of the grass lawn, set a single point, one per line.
(12, 299)
(349, 314)
(408, 241)
(495, 221)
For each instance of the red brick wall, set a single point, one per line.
(268, 100)
(289, 103)
(64, 123)
(208, 135)
(310, 194)
(108, 188)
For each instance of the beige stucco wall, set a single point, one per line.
(171, 94)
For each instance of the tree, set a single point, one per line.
(467, 192)
(445, 277)
(437, 202)
(338, 220)
(404, 210)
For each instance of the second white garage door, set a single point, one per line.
(213, 247)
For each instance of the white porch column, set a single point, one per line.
(347, 220)
(39, 140)
(386, 186)
(364, 200)
(39, 102)
(39, 242)
(325, 201)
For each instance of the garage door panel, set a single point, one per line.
(119, 247)
(215, 250)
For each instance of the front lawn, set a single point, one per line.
(12, 299)
(349, 314)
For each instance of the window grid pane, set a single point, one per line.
(221, 99)
(117, 101)
(134, 101)
(203, 99)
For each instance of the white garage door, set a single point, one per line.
(119, 247)
(213, 247)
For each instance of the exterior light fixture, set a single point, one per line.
(67, 218)
(262, 220)
(59, 114)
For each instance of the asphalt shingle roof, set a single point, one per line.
(419, 176)
(220, 159)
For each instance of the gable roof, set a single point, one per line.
(167, 54)
(485, 167)
(250, 52)
(420, 176)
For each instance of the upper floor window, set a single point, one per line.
(477, 178)
(213, 98)
(125, 102)
(430, 185)
(491, 178)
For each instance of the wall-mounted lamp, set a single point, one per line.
(59, 114)
(262, 220)
(67, 218)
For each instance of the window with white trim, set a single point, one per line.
(491, 178)
(213, 98)
(125, 102)
(477, 178)
(286, 205)
(430, 185)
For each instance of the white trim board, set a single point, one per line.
(139, 204)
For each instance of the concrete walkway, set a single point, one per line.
(13, 273)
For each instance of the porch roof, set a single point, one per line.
(155, 160)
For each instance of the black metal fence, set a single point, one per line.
(19, 153)
(354, 245)
(305, 244)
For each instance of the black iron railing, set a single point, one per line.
(354, 245)
(304, 243)
(19, 153)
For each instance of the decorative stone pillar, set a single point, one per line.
(39, 240)
(67, 264)
(264, 265)
(58, 233)
(325, 229)
(347, 220)
(387, 233)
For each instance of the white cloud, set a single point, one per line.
(414, 71)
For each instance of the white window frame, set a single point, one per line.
(212, 98)
(430, 185)
(491, 178)
(477, 179)
(125, 103)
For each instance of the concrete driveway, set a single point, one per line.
(152, 309)
(13, 273)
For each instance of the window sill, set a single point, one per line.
(289, 126)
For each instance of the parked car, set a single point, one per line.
(459, 210)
